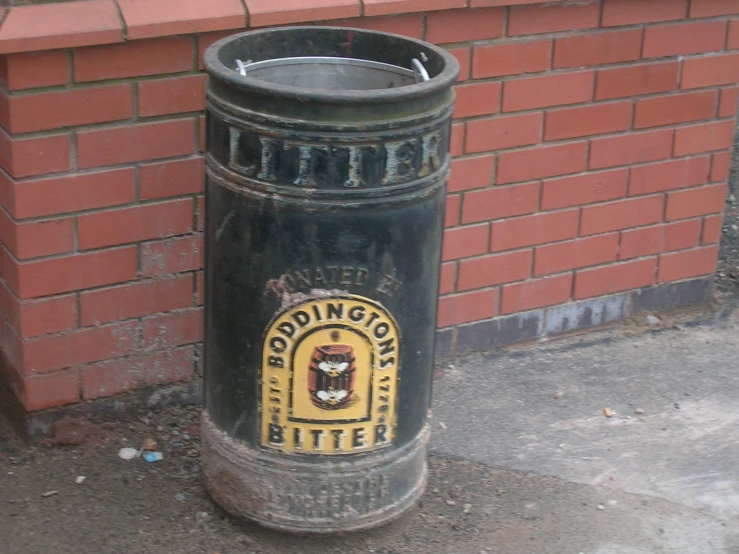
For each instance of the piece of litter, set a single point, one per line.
(653, 321)
(601, 507)
(467, 508)
(127, 453)
(607, 412)
(153, 456)
(139, 452)
(442, 425)
(80, 479)
(640, 411)
(450, 502)
(47, 494)
(558, 395)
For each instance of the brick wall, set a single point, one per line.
(592, 144)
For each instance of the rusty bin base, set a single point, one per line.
(312, 496)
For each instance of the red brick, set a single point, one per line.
(463, 57)
(50, 315)
(728, 102)
(117, 376)
(111, 377)
(199, 288)
(548, 91)
(500, 202)
(732, 41)
(448, 276)
(503, 132)
(43, 238)
(677, 108)
(564, 256)
(69, 273)
(80, 347)
(709, 8)
(71, 193)
(597, 48)
(720, 166)
(694, 202)
(532, 20)
(631, 12)
(709, 71)
(383, 7)
(614, 278)
(630, 149)
(512, 58)
(456, 140)
(636, 243)
(171, 256)
(201, 213)
(67, 25)
(34, 156)
(134, 143)
(494, 270)
(534, 229)
(584, 121)
(267, 12)
(38, 238)
(408, 25)
(463, 308)
(175, 329)
(549, 291)
(171, 178)
(635, 80)
(684, 38)
(479, 3)
(584, 189)
(135, 300)
(471, 173)
(451, 217)
(34, 69)
(133, 59)
(621, 214)
(464, 25)
(711, 233)
(464, 242)
(692, 263)
(134, 224)
(539, 162)
(55, 389)
(172, 96)
(477, 99)
(673, 174)
(156, 18)
(200, 124)
(53, 110)
(705, 137)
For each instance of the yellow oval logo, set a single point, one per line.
(329, 377)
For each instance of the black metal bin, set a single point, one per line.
(326, 168)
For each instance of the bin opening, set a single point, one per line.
(333, 73)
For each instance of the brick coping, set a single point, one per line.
(94, 22)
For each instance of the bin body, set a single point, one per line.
(324, 219)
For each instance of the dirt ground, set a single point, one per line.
(128, 506)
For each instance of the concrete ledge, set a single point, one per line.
(569, 318)
(56, 25)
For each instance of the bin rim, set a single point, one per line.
(219, 71)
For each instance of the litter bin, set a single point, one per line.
(326, 167)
